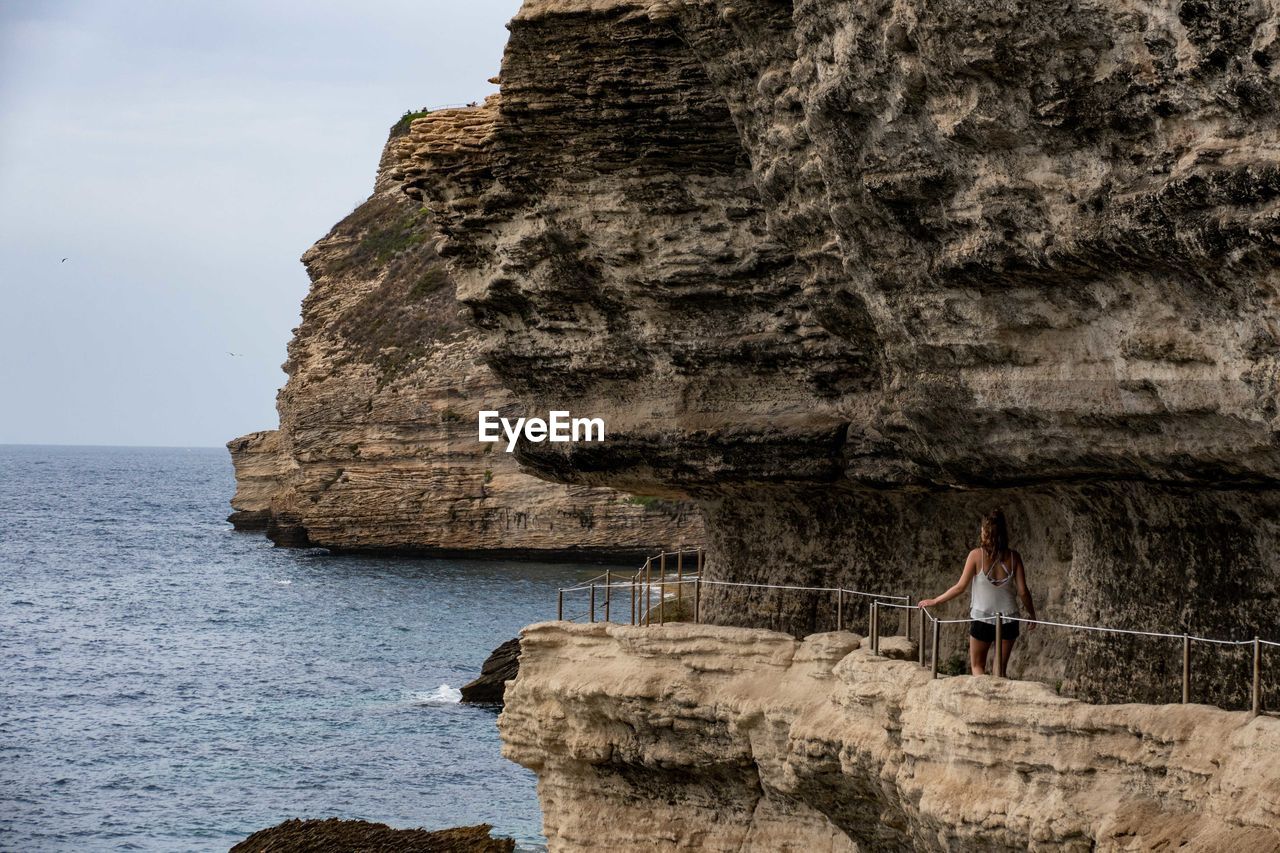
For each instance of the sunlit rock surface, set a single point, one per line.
(729, 739)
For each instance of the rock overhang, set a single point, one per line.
(1020, 267)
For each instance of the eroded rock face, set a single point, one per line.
(710, 738)
(849, 275)
(377, 446)
(259, 467)
(1042, 250)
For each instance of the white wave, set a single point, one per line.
(283, 583)
(443, 695)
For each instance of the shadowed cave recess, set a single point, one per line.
(848, 275)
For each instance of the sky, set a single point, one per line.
(181, 156)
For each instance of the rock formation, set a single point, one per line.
(502, 665)
(259, 466)
(377, 448)
(849, 274)
(342, 836)
(695, 737)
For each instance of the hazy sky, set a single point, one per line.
(182, 156)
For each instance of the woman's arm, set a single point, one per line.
(960, 585)
(1024, 591)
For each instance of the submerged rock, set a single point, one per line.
(502, 665)
(334, 835)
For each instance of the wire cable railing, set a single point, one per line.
(665, 577)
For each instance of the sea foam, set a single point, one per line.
(443, 695)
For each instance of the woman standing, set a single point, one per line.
(999, 580)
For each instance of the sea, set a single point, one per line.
(169, 684)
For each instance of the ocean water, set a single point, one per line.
(169, 684)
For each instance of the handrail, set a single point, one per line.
(1187, 639)
(643, 581)
(1106, 630)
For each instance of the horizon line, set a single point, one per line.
(118, 446)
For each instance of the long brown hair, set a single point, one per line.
(995, 535)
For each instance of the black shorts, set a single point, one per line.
(986, 633)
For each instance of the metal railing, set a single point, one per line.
(1186, 640)
(656, 577)
(641, 587)
(664, 576)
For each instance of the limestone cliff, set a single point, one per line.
(729, 739)
(377, 447)
(849, 274)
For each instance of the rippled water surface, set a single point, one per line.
(169, 684)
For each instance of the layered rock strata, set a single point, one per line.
(377, 448)
(711, 738)
(259, 466)
(848, 275)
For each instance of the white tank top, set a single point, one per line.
(990, 596)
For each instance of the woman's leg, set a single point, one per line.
(1008, 651)
(978, 655)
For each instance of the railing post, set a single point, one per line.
(593, 602)
(680, 581)
(936, 626)
(1186, 668)
(999, 645)
(697, 600)
(875, 626)
(697, 587)
(662, 588)
(646, 606)
(559, 605)
(906, 618)
(840, 609)
(608, 587)
(633, 597)
(920, 636)
(1257, 676)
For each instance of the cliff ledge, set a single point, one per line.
(696, 737)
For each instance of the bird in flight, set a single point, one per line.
(63, 261)
(236, 354)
